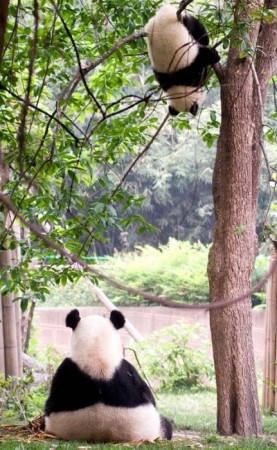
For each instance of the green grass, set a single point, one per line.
(194, 412)
(197, 411)
(190, 410)
(209, 442)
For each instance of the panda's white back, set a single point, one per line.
(170, 46)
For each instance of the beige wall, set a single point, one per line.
(51, 328)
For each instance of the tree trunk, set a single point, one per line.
(4, 5)
(231, 260)
(235, 191)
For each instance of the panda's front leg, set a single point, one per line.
(208, 56)
(194, 109)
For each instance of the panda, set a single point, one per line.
(98, 396)
(180, 57)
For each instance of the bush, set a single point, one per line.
(20, 400)
(168, 360)
(177, 270)
(78, 294)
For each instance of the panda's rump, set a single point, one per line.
(170, 46)
(102, 423)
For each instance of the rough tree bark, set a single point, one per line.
(235, 190)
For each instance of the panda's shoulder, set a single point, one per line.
(128, 376)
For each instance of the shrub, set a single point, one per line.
(20, 400)
(177, 270)
(168, 360)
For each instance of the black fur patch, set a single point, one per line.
(193, 75)
(196, 29)
(72, 319)
(194, 108)
(172, 111)
(166, 427)
(73, 389)
(117, 319)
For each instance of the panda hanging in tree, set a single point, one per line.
(177, 44)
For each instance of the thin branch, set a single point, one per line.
(182, 6)
(68, 32)
(25, 107)
(140, 155)
(165, 301)
(77, 77)
(37, 108)
(260, 99)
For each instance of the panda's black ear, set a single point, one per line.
(117, 319)
(72, 319)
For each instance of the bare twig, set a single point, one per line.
(182, 6)
(140, 155)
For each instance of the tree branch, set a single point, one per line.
(37, 108)
(165, 301)
(140, 155)
(77, 77)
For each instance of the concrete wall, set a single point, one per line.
(52, 330)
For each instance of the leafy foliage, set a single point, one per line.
(176, 270)
(68, 139)
(168, 359)
(20, 400)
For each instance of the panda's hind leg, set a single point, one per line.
(196, 29)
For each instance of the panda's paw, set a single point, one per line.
(214, 56)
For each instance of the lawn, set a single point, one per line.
(194, 416)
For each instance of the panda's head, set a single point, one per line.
(96, 345)
(185, 98)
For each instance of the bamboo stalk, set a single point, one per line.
(2, 351)
(274, 304)
(110, 306)
(9, 324)
(270, 357)
(272, 323)
(266, 351)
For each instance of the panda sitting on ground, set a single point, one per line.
(177, 47)
(98, 396)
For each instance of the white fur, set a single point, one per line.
(102, 423)
(170, 46)
(96, 347)
(182, 98)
